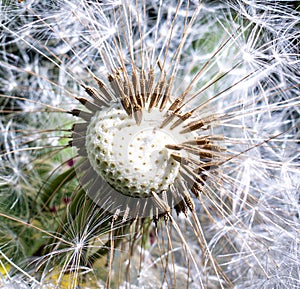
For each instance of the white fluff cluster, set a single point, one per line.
(240, 61)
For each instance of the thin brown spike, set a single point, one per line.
(176, 103)
(135, 102)
(99, 82)
(126, 105)
(186, 196)
(115, 85)
(150, 82)
(209, 166)
(173, 147)
(126, 88)
(153, 99)
(82, 114)
(204, 164)
(176, 158)
(198, 151)
(189, 202)
(181, 119)
(206, 151)
(166, 96)
(118, 89)
(158, 91)
(137, 91)
(143, 86)
(193, 126)
(196, 189)
(200, 141)
(131, 92)
(96, 96)
(104, 90)
(140, 100)
(165, 99)
(215, 148)
(205, 139)
(89, 105)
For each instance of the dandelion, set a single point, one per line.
(150, 144)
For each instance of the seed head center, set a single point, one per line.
(132, 158)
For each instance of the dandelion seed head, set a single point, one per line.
(133, 158)
(138, 144)
(229, 125)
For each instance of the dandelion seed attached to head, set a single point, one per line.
(140, 152)
(132, 158)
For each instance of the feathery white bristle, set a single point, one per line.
(237, 65)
